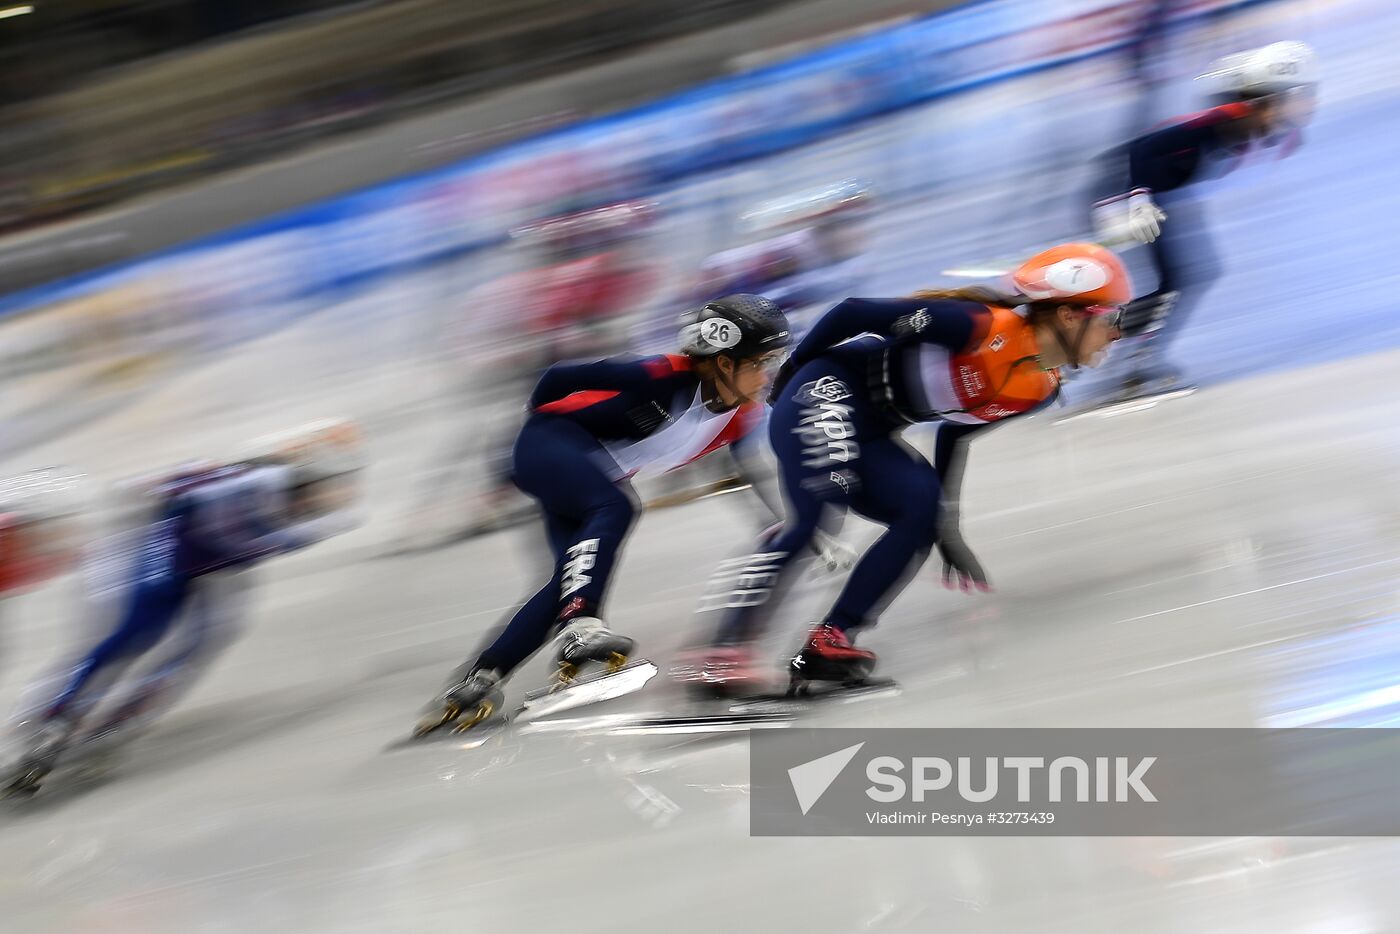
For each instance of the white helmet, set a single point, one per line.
(316, 451)
(1273, 69)
(847, 199)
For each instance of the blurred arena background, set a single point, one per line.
(219, 219)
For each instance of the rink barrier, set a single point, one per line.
(335, 245)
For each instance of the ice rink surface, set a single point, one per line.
(1227, 559)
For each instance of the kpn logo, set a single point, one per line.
(980, 779)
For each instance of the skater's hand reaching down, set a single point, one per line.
(961, 569)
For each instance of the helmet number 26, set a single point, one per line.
(719, 333)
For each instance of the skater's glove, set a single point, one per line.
(1144, 217)
(1146, 313)
(834, 553)
(1128, 219)
(961, 569)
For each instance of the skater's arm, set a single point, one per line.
(960, 565)
(949, 458)
(254, 523)
(564, 379)
(950, 448)
(1155, 159)
(756, 467)
(308, 532)
(942, 322)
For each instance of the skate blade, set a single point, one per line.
(24, 787)
(762, 712)
(663, 724)
(474, 738)
(817, 692)
(566, 674)
(483, 712)
(1124, 406)
(434, 722)
(615, 683)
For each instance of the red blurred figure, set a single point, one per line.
(812, 251)
(37, 537)
(584, 280)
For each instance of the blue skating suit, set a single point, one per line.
(204, 528)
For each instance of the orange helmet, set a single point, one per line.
(1077, 273)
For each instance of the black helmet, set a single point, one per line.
(740, 325)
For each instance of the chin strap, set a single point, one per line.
(1072, 353)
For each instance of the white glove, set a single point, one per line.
(834, 553)
(1130, 218)
(1144, 217)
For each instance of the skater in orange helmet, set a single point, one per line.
(966, 358)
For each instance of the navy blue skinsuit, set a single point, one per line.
(1166, 161)
(835, 430)
(588, 506)
(214, 520)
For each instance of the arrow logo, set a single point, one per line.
(810, 780)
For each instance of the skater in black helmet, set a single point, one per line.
(594, 426)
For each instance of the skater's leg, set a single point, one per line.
(154, 603)
(531, 625)
(817, 445)
(1187, 265)
(156, 600)
(210, 623)
(755, 584)
(587, 517)
(1187, 260)
(901, 490)
(562, 467)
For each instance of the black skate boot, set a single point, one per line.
(829, 655)
(468, 702)
(47, 745)
(586, 640)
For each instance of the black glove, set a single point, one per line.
(961, 569)
(781, 379)
(1146, 313)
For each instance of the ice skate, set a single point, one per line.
(48, 744)
(828, 655)
(465, 704)
(720, 671)
(584, 641)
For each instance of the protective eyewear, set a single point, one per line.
(1112, 314)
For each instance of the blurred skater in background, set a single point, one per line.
(1143, 193)
(186, 576)
(587, 275)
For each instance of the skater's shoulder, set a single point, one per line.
(1205, 119)
(667, 366)
(234, 480)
